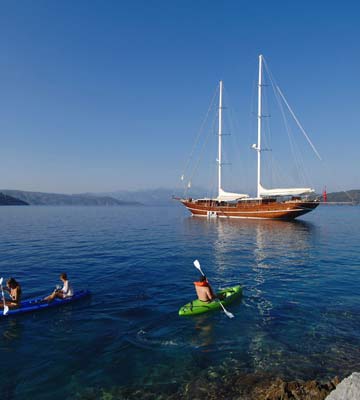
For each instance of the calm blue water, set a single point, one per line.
(299, 317)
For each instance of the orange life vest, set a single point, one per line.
(204, 283)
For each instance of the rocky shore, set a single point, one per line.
(348, 389)
(212, 386)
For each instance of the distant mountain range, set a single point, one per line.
(159, 197)
(54, 199)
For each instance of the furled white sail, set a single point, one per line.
(228, 196)
(284, 192)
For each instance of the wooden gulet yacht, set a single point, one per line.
(285, 204)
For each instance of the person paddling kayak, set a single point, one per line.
(63, 293)
(204, 290)
(207, 300)
(14, 289)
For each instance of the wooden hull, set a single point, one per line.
(253, 209)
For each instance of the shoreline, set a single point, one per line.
(211, 385)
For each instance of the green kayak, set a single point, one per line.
(227, 295)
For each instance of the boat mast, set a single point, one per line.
(258, 147)
(220, 137)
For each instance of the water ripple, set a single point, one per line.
(299, 315)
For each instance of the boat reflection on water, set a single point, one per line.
(243, 248)
(265, 257)
(254, 240)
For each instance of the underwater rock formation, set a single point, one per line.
(212, 386)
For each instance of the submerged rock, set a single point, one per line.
(239, 386)
(348, 389)
(295, 390)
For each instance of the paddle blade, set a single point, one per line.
(1, 280)
(6, 310)
(197, 266)
(229, 314)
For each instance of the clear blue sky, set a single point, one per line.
(106, 95)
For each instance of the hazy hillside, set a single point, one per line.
(6, 200)
(348, 196)
(53, 199)
(160, 196)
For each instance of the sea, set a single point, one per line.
(298, 318)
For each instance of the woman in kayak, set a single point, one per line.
(63, 293)
(14, 289)
(204, 290)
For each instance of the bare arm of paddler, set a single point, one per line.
(213, 295)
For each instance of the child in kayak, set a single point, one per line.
(14, 289)
(63, 293)
(204, 290)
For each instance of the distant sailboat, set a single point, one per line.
(276, 203)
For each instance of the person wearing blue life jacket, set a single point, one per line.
(204, 290)
(65, 292)
(14, 289)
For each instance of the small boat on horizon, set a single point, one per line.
(280, 203)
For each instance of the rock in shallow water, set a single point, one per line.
(231, 386)
(294, 390)
(348, 389)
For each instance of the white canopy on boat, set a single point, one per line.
(284, 192)
(227, 196)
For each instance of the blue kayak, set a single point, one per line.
(37, 303)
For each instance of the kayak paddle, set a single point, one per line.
(197, 265)
(6, 308)
(228, 314)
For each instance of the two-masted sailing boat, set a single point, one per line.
(284, 204)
